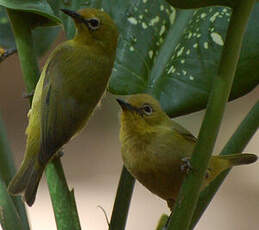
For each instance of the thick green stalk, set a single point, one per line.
(7, 171)
(162, 222)
(62, 199)
(9, 217)
(222, 84)
(23, 38)
(236, 144)
(122, 201)
(22, 31)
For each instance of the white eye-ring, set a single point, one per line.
(147, 109)
(93, 23)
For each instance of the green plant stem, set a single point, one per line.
(122, 201)
(23, 37)
(189, 192)
(24, 43)
(9, 217)
(62, 199)
(162, 222)
(236, 144)
(7, 171)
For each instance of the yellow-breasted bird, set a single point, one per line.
(71, 84)
(155, 149)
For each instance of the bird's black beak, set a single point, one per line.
(77, 17)
(125, 106)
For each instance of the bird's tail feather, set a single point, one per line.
(26, 180)
(32, 186)
(240, 159)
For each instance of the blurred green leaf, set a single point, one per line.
(6, 35)
(174, 55)
(42, 36)
(42, 14)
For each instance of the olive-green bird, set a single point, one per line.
(155, 149)
(71, 84)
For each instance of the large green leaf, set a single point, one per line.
(40, 11)
(187, 4)
(174, 55)
(42, 36)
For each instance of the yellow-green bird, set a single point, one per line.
(155, 149)
(71, 84)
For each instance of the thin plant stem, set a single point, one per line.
(122, 201)
(236, 144)
(9, 217)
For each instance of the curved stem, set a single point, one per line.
(222, 84)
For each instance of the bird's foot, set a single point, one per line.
(186, 166)
(207, 174)
(59, 153)
(28, 95)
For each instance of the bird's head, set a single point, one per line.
(94, 25)
(142, 112)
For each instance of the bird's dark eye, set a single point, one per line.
(147, 109)
(93, 23)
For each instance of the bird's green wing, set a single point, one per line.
(183, 132)
(60, 113)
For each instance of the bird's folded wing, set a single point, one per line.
(59, 111)
(184, 132)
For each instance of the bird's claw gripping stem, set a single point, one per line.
(28, 95)
(186, 166)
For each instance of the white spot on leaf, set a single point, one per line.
(162, 30)
(144, 25)
(203, 15)
(133, 20)
(150, 53)
(154, 20)
(131, 49)
(162, 7)
(172, 17)
(179, 53)
(214, 16)
(216, 37)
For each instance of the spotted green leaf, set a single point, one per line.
(187, 4)
(174, 55)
